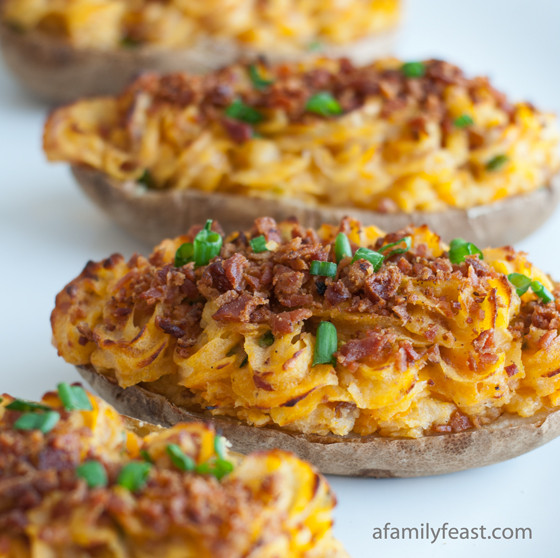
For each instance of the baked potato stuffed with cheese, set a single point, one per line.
(77, 480)
(389, 143)
(367, 353)
(65, 49)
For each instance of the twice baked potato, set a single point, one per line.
(389, 143)
(65, 49)
(367, 354)
(77, 480)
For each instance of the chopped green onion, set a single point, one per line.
(43, 421)
(25, 406)
(414, 69)
(179, 459)
(220, 468)
(325, 344)
(460, 249)
(93, 473)
(258, 81)
(146, 179)
(238, 110)
(184, 254)
(323, 103)
(146, 456)
(497, 162)
(129, 42)
(133, 475)
(463, 121)
(542, 292)
(315, 45)
(407, 242)
(220, 446)
(258, 244)
(266, 340)
(74, 398)
(342, 248)
(207, 245)
(374, 258)
(520, 282)
(325, 269)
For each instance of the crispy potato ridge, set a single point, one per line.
(271, 504)
(274, 24)
(424, 346)
(399, 144)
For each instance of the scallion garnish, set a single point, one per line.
(74, 398)
(146, 179)
(315, 45)
(463, 121)
(144, 454)
(414, 69)
(373, 257)
(323, 103)
(258, 244)
(93, 473)
(459, 249)
(258, 81)
(133, 475)
(220, 446)
(326, 344)
(179, 458)
(522, 283)
(324, 269)
(219, 469)
(238, 110)
(43, 421)
(25, 406)
(342, 248)
(207, 245)
(407, 243)
(184, 254)
(266, 340)
(497, 162)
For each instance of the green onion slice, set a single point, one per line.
(373, 257)
(342, 248)
(463, 121)
(497, 162)
(146, 179)
(326, 344)
(220, 468)
(258, 244)
(407, 242)
(258, 81)
(520, 282)
(93, 473)
(459, 249)
(324, 104)
(207, 245)
(238, 110)
(414, 69)
(74, 398)
(266, 340)
(184, 254)
(179, 458)
(25, 406)
(133, 475)
(43, 421)
(220, 446)
(146, 456)
(542, 292)
(325, 269)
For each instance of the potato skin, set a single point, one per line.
(153, 215)
(369, 456)
(58, 73)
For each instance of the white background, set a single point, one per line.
(48, 230)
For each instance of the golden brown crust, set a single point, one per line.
(57, 72)
(153, 215)
(370, 456)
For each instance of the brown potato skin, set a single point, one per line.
(154, 215)
(366, 456)
(58, 73)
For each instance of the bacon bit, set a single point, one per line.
(261, 384)
(336, 293)
(234, 268)
(285, 322)
(268, 227)
(458, 422)
(288, 287)
(431, 383)
(547, 339)
(239, 309)
(239, 132)
(169, 327)
(511, 370)
(553, 373)
(374, 346)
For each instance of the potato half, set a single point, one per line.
(368, 354)
(389, 142)
(153, 215)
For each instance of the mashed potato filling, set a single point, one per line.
(424, 343)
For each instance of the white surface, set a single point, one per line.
(48, 230)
